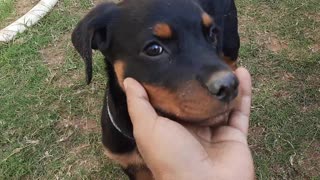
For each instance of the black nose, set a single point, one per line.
(224, 85)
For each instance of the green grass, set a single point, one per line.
(6, 8)
(49, 116)
(34, 143)
(286, 108)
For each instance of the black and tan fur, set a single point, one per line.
(181, 51)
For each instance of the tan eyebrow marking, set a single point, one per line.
(162, 30)
(206, 20)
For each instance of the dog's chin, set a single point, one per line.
(218, 119)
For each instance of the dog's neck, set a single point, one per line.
(116, 106)
(118, 117)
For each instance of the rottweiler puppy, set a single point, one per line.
(182, 52)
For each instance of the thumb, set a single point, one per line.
(140, 110)
(239, 118)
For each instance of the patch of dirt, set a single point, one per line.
(312, 34)
(256, 134)
(275, 45)
(250, 25)
(281, 172)
(309, 108)
(79, 149)
(23, 6)
(84, 163)
(314, 16)
(271, 42)
(244, 21)
(315, 48)
(77, 162)
(88, 163)
(250, 31)
(54, 55)
(287, 76)
(94, 105)
(312, 80)
(69, 80)
(85, 125)
(309, 162)
(282, 94)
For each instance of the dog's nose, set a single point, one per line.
(223, 85)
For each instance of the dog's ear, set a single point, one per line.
(231, 39)
(92, 32)
(225, 16)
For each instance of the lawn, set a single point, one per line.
(49, 117)
(10, 10)
(6, 8)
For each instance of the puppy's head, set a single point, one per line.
(171, 47)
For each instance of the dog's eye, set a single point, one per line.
(213, 33)
(153, 49)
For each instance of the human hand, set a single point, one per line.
(174, 151)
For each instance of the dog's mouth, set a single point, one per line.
(218, 119)
(190, 104)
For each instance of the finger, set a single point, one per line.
(142, 114)
(245, 88)
(227, 133)
(239, 118)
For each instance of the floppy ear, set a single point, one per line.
(231, 39)
(225, 16)
(92, 33)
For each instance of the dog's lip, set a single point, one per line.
(217, 119)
